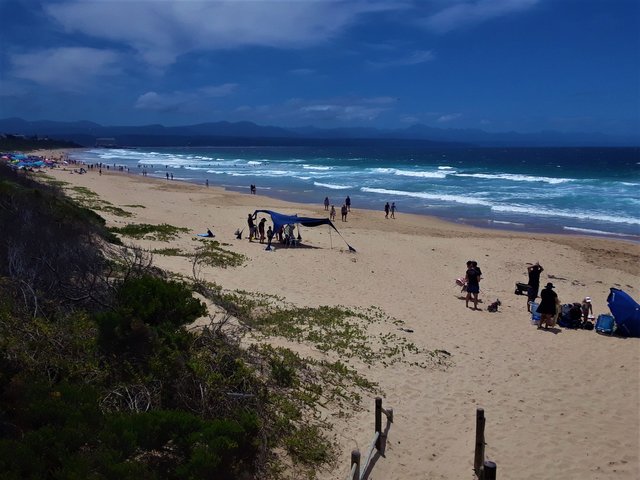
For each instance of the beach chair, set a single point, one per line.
(605, 323)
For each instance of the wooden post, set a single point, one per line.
(478, 458)
(355, 460)
(379, 423)
(489, 470)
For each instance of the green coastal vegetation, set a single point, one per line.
(12, 143)
(104, 375)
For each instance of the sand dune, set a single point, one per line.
(559, 404)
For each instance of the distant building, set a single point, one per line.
(106, 142)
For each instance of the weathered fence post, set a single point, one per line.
(355, 460)
(489, 470)
(478, 458)
(379, 423)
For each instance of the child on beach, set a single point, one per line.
(332, 213)
(269, 238)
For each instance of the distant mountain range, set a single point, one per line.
(247, 133)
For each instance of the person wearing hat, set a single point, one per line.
(587, 309)
(547, 307)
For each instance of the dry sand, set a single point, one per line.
(559, 404)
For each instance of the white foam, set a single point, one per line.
(411, 173)
(254, 162)
(315, 167)
(332, 186)
(565, 214)
(445, 167)
(430, 196)
(514, 177)
(508, 223)
(596, 232)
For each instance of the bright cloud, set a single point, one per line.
(449, 117)
(184, 102)
(161, 31)
(67, 68)
(466, 13)
(340, 109)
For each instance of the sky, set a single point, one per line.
(495, 65)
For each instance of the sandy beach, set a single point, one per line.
(560, 404)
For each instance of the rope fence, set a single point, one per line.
(358, 470)
(484, 469)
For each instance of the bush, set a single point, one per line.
(147, 310)
(66, 436)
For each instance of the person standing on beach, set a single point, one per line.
(386, 210)
(261, 229)
(534, 270)
(344, 211)
(332, 213)
(393, 209)
(269, 238)
(472, 279)
(206, 182)
(587, 309)
(252, 227)
(547, 307)
(326, 203)
(347, 202)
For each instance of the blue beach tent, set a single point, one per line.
(280, 219)
(626, 312)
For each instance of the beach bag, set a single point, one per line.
(587, 325)
(605, 323)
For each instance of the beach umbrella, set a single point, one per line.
(280, 219)
(626, 312)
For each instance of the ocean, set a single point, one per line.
(588, 191)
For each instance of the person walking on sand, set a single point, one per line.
(547, 307)
(534, 270)
(332, 213)
(344, 211)
(326, 203)
(386, 210)
(347, 202)
(393, 209)
(472, 279)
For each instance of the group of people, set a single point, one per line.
(344, 210)
(390, 209)
(472, 278)
(550, 308)
(286, 233)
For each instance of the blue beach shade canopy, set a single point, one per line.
(626, 311)
(280, 219)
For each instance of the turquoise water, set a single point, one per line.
(591, 191)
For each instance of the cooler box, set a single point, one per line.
(605, 323)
